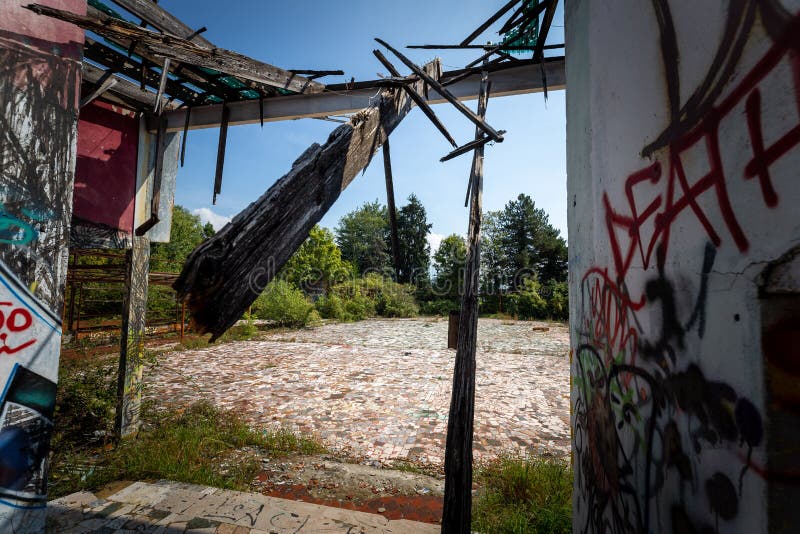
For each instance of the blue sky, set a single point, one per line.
(339, 35)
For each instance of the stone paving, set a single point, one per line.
(171, 508)
(379, 390)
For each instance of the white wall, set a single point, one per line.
(669, 411)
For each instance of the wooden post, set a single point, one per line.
(131, 350)
(387, 170)
(456, 517)
(183, 319)
(39, 83)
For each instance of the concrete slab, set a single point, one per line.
(171, 508)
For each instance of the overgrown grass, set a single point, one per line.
(522, 496)
(200, 445)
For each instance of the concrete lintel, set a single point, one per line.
(511, 81)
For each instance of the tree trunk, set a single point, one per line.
(226, 273)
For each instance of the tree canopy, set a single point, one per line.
(448, 262)
(362, 236)
(317, 263)
(412, 232)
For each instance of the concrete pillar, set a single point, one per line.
(683, 120)
(39, 90)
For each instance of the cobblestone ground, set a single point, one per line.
(379, 390)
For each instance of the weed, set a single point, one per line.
(524, 496)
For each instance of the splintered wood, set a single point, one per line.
(225, 274)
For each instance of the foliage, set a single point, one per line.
(448, 262)
(317, 263)
(284, 304)
(199, 445)
(524, 496)
(527, 303)
(186, 233)
(441, 307)
(557, 300)
(412, 233)
(362, 237)
(371, 295)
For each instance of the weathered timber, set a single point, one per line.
(387, 171)
(417, 98)
(226, 273)
(544, 29)
(457, 513)
(223, 139)
(491, 20)
(468, 147)
(155, 16)
(106, 82)
(178, 49)
(127, 91)
(445, 94)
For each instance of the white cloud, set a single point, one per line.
(208, 216)
(434, 240)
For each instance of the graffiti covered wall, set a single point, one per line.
(683, 124)
(39, 90)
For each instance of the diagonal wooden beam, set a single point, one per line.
(417, 98)
(159, 18)
(482, 28)
(227, 272)
(445, 94)
(544, 29)
(177, 49)
(129, 92)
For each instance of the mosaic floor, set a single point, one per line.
(379, 390)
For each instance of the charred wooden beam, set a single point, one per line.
(185, 51)
(390, 205)
(480, 123)
(468, 147)
(106, 82)
(226, 273)
(223, 139)
(470, 47)
(417, 98)
(457, 513)
(158, 18)
(491, 20)
(127, 91)
(544, 29)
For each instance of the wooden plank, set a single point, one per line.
(130, 92)
(387, 172)
(544, 29)
(226, 273)
(159, 18)
(457, 513)
(177, 49)
(417, 98)
(507, 80)
(105, 82)
(223, 139)
(446, 94)
(482, 28)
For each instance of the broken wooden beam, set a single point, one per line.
(177, 49)
(491, 20)
(126, 91)
(457, 512)
(227, 272)
(544, 29)
(223, 139)
(468, 147)
(390, 205)
(106, 82)
(445, 94)
(417, 98)
(163, 20)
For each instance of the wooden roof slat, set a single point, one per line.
(155, 16)
(544, 29)
(185, 51)
(128, 91)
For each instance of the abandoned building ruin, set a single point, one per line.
(684, 241)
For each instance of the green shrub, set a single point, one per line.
(557, 294)
(369, 296)
(284, 304)
(441, 307)
(527, 303)
(524, 496)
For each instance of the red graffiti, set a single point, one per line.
(15, 321)
(657, 214)
(608, 319)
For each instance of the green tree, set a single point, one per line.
(528, 244)
(412, 233)
(448, 263)
(317, 263)
(362, 236)
(186, 233)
